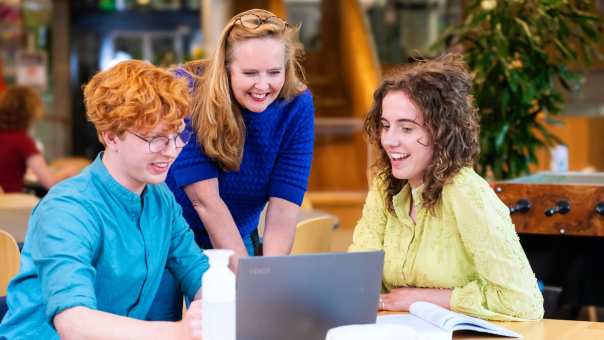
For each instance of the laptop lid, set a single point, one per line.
(303, 296)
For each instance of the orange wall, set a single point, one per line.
(584, 137)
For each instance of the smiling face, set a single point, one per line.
(132, 164)
(257, 72)
(404, 138)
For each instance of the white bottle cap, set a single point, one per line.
(218, 257)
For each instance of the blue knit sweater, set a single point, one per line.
(276, 163)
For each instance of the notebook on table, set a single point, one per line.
(303, 296)
(432, 322)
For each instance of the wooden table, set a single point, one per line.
(546, 330)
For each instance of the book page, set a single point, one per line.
(424, 330)
(434, 314)
(452, 321)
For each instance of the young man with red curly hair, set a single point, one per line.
(98, 243)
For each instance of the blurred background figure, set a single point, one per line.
(20, 107)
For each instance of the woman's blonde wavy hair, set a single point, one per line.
(216, 116)
(441, 90)
(135, 95)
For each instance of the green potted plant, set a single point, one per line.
(519, 51)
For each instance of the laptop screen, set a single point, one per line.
(303, 296)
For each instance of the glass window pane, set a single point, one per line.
(162, 49)
(131, 46)
(402, 29)
(307, 13)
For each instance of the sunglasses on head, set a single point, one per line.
(253, 21)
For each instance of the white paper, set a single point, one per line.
(432, 322)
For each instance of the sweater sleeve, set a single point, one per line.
(289, 179)
(193, 165)
(504, 286)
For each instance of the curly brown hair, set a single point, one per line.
(441, 89)
(135, 95)
(20, 106)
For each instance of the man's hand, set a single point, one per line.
(192, 320)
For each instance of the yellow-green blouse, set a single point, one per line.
(468, 244)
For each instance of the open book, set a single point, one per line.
(432, 322)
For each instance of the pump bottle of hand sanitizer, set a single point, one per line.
(218, 300)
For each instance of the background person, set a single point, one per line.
(20, 108)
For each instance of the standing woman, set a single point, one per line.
(447, 237)
(253, 121)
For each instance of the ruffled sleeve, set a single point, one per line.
(503, 286)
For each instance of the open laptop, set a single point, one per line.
(300, 297)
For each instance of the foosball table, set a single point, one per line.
(560, 221)
(556, 203)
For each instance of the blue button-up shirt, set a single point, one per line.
(91, 242)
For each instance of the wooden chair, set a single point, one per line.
(592, 313)
(9, 260)
(18, 200)
(306, 205)
(314, 235)
(15, 209)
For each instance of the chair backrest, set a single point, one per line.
(314, 235)
(306, 205)
(18, 200)
(9, 260)
(15, 209)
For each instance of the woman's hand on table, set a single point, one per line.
(400, 299)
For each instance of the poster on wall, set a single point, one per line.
(32, 69)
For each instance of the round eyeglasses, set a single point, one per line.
(253, 21)
(160, 143)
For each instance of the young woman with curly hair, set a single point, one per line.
(447, 237)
